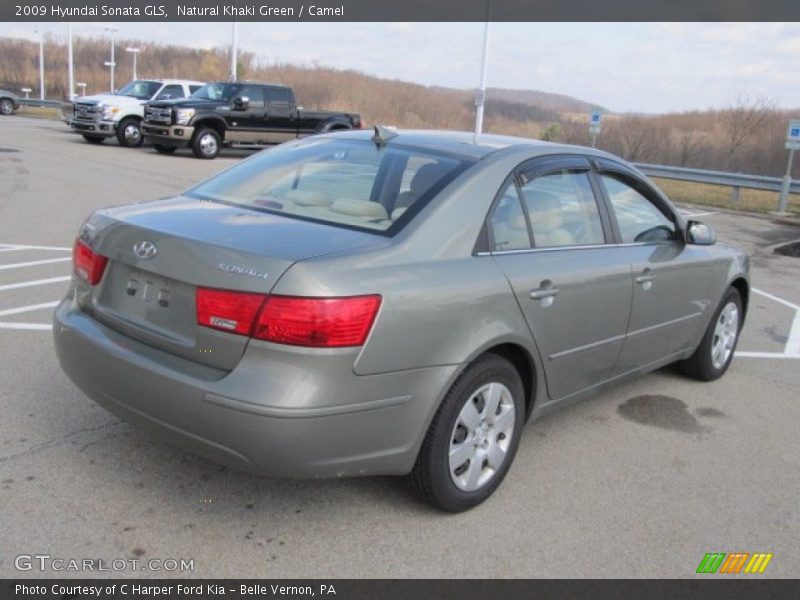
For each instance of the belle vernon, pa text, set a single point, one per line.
(207, 590)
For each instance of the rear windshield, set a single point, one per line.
(340, 182)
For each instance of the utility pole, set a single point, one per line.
(480, 93)
(41, 63)
(71, 83)
(111, 29)
(234, 41)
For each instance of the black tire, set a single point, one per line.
(431, 478)
(164, 149)
(701, 364)
(93, 139)
(206, 143)
(129, 133)
(6, 106)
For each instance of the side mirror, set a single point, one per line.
(241, 103)
(700, 234)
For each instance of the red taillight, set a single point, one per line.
(228, 311)
(88, 265)
(317, 322)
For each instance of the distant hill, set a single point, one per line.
(546, 101)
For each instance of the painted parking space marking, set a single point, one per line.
(690, 213)
(11, 247)
(791, 349)
(24, 284)
(33, 263)
(29, 256)
(29, 308)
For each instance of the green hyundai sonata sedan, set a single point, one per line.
(399, 303)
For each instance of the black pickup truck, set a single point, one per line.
(235, 113)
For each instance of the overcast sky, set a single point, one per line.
(647, 67)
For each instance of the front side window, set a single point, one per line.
(223, 92)
(340, 182)
(509, 228)
(563, 210)
(638, 218)
(142, 90)
(171, 92)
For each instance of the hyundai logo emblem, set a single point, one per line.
(145, 249)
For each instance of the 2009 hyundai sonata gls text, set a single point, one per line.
(401, 303)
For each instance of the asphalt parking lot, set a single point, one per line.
(640, 481)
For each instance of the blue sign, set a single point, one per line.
(795, 132)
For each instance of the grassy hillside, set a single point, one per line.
(747, 136)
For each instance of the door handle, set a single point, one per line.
(542, 293)
(645, 279)
(546, 293)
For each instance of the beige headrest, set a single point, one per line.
(307, 198)
(398, 212)
(359, 208)
(545, 210)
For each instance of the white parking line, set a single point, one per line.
(10, 247)
(791, 348)
(33, 263)
(24, 284)
(37, 326)
(29, 308)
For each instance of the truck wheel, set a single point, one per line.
(6, 106)
(129, 133)
(206, 143)
(164, 149)
(93, 139)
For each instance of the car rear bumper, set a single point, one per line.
(104, 128)
(304, 417)
(171, 135)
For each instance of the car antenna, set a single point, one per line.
(383, 134)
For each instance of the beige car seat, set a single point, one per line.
(547, 218)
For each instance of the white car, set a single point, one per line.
(120, 114)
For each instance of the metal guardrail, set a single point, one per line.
(736, 181)
(38, 102)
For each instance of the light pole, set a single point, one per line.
(70, 68)
(135, 52)
(111, 29)
(41, 63)
(233, 52)
(480, 93)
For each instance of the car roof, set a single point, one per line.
(464, 143)
(248, 82)
(171, 81)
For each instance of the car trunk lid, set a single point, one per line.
(160, 253)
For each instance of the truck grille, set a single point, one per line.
(158, 115)
(87, 112)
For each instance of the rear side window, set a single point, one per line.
(341, 182)
(563, 210)
(279, 94)
(508, 225)
(639, 220)
(194, 88)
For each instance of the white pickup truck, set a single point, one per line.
(120, 114)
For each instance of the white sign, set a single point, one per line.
(793, 133)
(480, 97)
(595, 120)
(790, 145)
